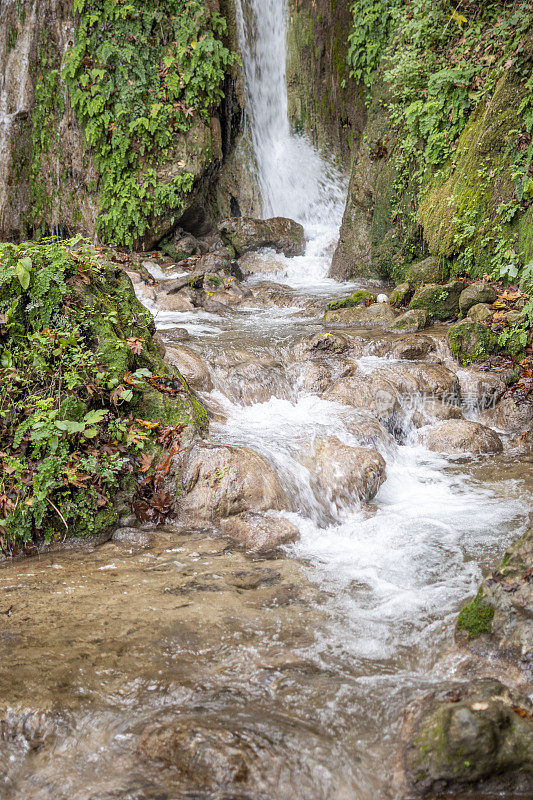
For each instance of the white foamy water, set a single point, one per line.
(295, 181)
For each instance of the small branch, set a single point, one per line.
(58, 511)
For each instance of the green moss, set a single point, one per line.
(471, 342)
(359, 298)
(440, 302)
(476, 617)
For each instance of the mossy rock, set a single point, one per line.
(476, 617)
(478, 292)
(471, 342)
(430, 270)
(401, 295)
(410, 322)
(440, 302)
(480, 312)
(359, 298)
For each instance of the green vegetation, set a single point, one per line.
(471, 342)
(79, 373)
(476, 617)
(140, 75)
(460, 130)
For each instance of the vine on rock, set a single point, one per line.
(139, 75)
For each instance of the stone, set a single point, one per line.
(379, 315)
(321, 344)
(373, 393)
(480, 389)
(480, 312)
(471, 740)
(191, 366)
(220, 481)
(260, 533)
(345, 472)
(430, 270)
(401, 295)
(410, 322)
(132, 536)
(428, 380)
(456, 437)
(478, 292)
(366, 429)
(361, 297)
(513, 317)
(431, 411)
(499, 616)
(511, 414)
(471, 342)
(281, 234)
(174, 302)
(440, 302)
(159, 343)
(413, 348)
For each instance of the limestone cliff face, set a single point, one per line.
(49, 182)
(324, 101)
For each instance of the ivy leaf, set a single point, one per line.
(23, 274)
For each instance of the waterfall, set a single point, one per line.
(294, 180)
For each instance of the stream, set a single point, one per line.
(190, 670)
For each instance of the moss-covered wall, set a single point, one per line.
(324, 101)
(56, 175)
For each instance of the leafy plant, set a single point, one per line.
(139, 74)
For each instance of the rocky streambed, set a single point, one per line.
(291, 634)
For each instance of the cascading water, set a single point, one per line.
(294, 180)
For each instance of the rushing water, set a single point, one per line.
(289, 674)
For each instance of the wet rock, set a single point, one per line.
(191, 365)
(245, 234)
(345, 472)
(480, 312)
(401, 295)
(471, 342)
(430, 270)
(260, 533)
(159, 343)
(498, 619)
(370, 392)
(428, 380)
(472, 740)
(366, 429)
(480, 389)
(320, 344)
(133, 536)
(313, 376)
(461, 436)
(413, 348)
(174, 302)
(511, 414)
(182, 245)
(177, 335)
(431, 411)
(440, 302)
(374, 316)
(220, 481)
(204, 754)
(410, 322)
(479, 292)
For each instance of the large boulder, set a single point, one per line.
(370, 392)
(345, 472)
(260, 533)
(379, 315)
(428, 380)
(430, 270)
(457, 436)
(244, 234)
(219, 481)
(440, 302)
(473, 740)
(362, 297)
(471, 342)
(478, 292)
(480, 312)
(413, 348)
